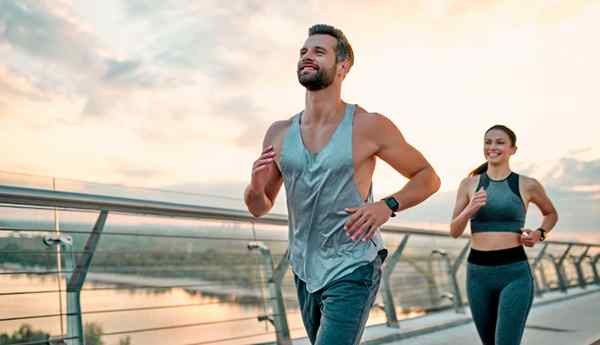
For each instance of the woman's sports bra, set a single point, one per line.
(504, 210)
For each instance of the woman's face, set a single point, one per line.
(497, 147)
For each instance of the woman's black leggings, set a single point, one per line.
(500, 292)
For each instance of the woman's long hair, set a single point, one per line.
(513, 139)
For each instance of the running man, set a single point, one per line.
(325, 155)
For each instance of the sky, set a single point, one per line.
(177, 95)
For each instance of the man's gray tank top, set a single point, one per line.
(318, 188)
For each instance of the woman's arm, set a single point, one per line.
(464, 208)
(537, 195)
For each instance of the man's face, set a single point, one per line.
(316, 65)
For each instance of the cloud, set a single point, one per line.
(587, 188)
(244, 109)
(49, 46)
(224, 53)
(192, 47)
(569, 173)
(34, 27)
(39, 34)
(577, 152)
(14, 86)
(144, 7)
(227, 42)
(137, 173)
(118, 69)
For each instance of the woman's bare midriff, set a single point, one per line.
(495, 240)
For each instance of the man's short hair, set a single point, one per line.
(343, 49)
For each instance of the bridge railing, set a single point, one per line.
(79, 267)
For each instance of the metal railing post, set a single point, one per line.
(534, 265)
(459, 305)
(75, 329)
(452, 270)
(561, 268)
(388, 298)
(79, 269)
(432, 287)
(557, 270)
(593, 262)
(274, 280)
(442, 253)
(578, 261)
(76, 279)
(558, 266)
(74, 324)
(543, 276)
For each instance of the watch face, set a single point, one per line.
(392, 203)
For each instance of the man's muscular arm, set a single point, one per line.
(406, 160)
(266, 179)
(409, 162)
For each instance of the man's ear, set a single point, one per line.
(344, 67)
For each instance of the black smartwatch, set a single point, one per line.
(393, 204)
(542, 233)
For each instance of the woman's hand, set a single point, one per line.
(530, 237)
(477, 201)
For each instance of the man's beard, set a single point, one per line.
(318, 81)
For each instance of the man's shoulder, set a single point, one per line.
(373, 121)
(277, 129)
(361, 114)
(280, 126)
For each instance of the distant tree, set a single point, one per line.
(24, 334)
(125, 341)
(93, 334)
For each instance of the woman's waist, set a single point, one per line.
(496, 240)
(512, 225)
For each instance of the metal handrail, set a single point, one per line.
(83, 201)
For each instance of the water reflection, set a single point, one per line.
(194, 316)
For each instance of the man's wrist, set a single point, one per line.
(392, 204)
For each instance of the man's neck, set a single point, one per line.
(323, 106)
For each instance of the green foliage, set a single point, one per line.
(145, 257)
(125, 341)
(24, 334)
(93, 334)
